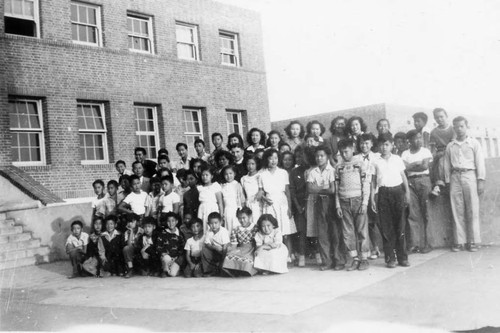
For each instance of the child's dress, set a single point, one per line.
(208, 202)
(232, 194)
(240, 258)
(250, 185)
(274, 185)
(273, 260)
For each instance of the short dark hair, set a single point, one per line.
(163, 157)
(113, 182)
(120, 162)
(98, 181)
(368, 137)
(342, 144)
(237, 145)
(244, 210)
(267, 217)
(170, 179)
(315, 122)
(282, 144)
(164, 217)
(162, 151)
(199, 141)
(383, 119)
(111, 217)
(268, 153)
(399, 135)
(437, 110)
(149, 220)
(181, 144)
(288, 153)
(136, 162)
(217, 134)
(134, 177)
(196, 160)
(459, 119)
(362, 124)
(257, 160)
(227, 167)
(155, 180)
(420, 115)
(214, 215)
(77, 222)
(386, 137)
(334, 121)
(141, 149)
(411, 133)
(288, 129)
(194, 220)
(182, 173)
(132, 217)
(234, 135)
(262, 136)
(224, 153)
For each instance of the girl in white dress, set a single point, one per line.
(250, 184)
(271, 254)
(210, 196)
(232, 196)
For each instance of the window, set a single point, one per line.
(187, 41)
(21, 17)
(26, 128)
(234, 123)
(86, 24)
(229, 49)
(146, 129)
(92, 130)
(140, 33)
(193, 128)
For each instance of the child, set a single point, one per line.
(256, 139)
(123, 190)
(182, 186)
(417, 160)
(223, 158)
(170, 201)
(148, 260)
(98, 204)
(295, 132)
(270, 254)
(250, 185)
(121, 168)
(191, 198)
(138, 200)
(92, 263)
(196, 165)
(131, 245)
(351, 197)
(273, 140)
(310, 141)
(199, 147)
(170, 245)
(420, 122)
(76, 247)
(316, 129)
(210, 197)
(217, 141)
(393, 196)
(287, 161)
(259, 153)
(440, 137)
(239, 258)
(298, 194)
(184, 158)
(163, 163)
(284, 148)
(400, 143)
(321, 183)
(239, 163)
(234, 138)
(185, 227)
(155, 197)
(193, 248)
(138, 169)
(369, 158)
(232, 196)
(275, 194)
(215, 246)
(110, 247)
(465, 173)
(356, 126)
(111, 198)
(148, 165)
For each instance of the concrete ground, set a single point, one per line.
(440, 291)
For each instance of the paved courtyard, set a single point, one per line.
(442, 290)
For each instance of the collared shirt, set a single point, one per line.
(220, 238)
(409, 157)
(322, 178)
(204, 156)
(440, 137)
(388, 171)
(180, 164)
(137, 202)
(125, 172)
(467, 154)
(369, 161)
(137, 234)
(352, 180)
(109, 236)
(147, 241)
(252, 149)
(80, 241)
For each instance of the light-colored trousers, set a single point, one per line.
(465, 207)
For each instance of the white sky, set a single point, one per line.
(328, 55)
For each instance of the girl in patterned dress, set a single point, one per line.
(271, 254)
(256, 139)
(232, 196)
(250, 184)
(210, 197)
(239, 258)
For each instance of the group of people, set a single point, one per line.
(258, 207)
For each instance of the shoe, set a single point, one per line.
(414, 249)
(391, 264)
(265, 273)
(363, 265)
(128, 275)
(339, 267)
(318, 259)
(426, 249)
(457, 248)
(404, 263)
(436, 191)
(324, 268)
(374, 255)
(471, 247)
(74, 275)
(302, 260)
(144, 272)
(354, 266)
(163, 275)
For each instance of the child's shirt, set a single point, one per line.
(195, 246)
(125, 172)
(170, 242)
(241, 235)
(110, 203)
(298, 186)
(221, 238)
(146, 244)
(440, 137)
(154, 201)
(322, 178)
(137, 235)
(369, 161)
(352, 180)
(83, 240)
(99, 205)
(388, 171)
(138, 202)
(274, 237)
(110, 245)
(186, 232)
(409, 157)
(167, 202)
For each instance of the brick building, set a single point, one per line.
(83, 83)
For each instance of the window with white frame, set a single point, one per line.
(147, 129)
(187, 41)
(86, 24)
(21, 17)
(140, 33)
(193, 127)
(229, 48)
(92, 131)
(234, 122)
(26, 129)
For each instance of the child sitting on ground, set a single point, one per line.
(149, 260)
(193, 248)
(170, 245)
(110, 247)
(131, 243)
(76, 247)
(271, 254)
(216, 243)
(92, 263)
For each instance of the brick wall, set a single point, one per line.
(61, 73)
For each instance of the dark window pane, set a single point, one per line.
(23, 140)
(90, 154)
(92, 12)
(17, 26)
(35, 154)
(81, 123)
(74, 12)
(25, 154)
(98, 140)
(82, 33)
(82, 11)
(35, 122)
(89, 140)
(151, 126)
(99, 154)
(34, 140)
(14, 120)
(92, 35)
